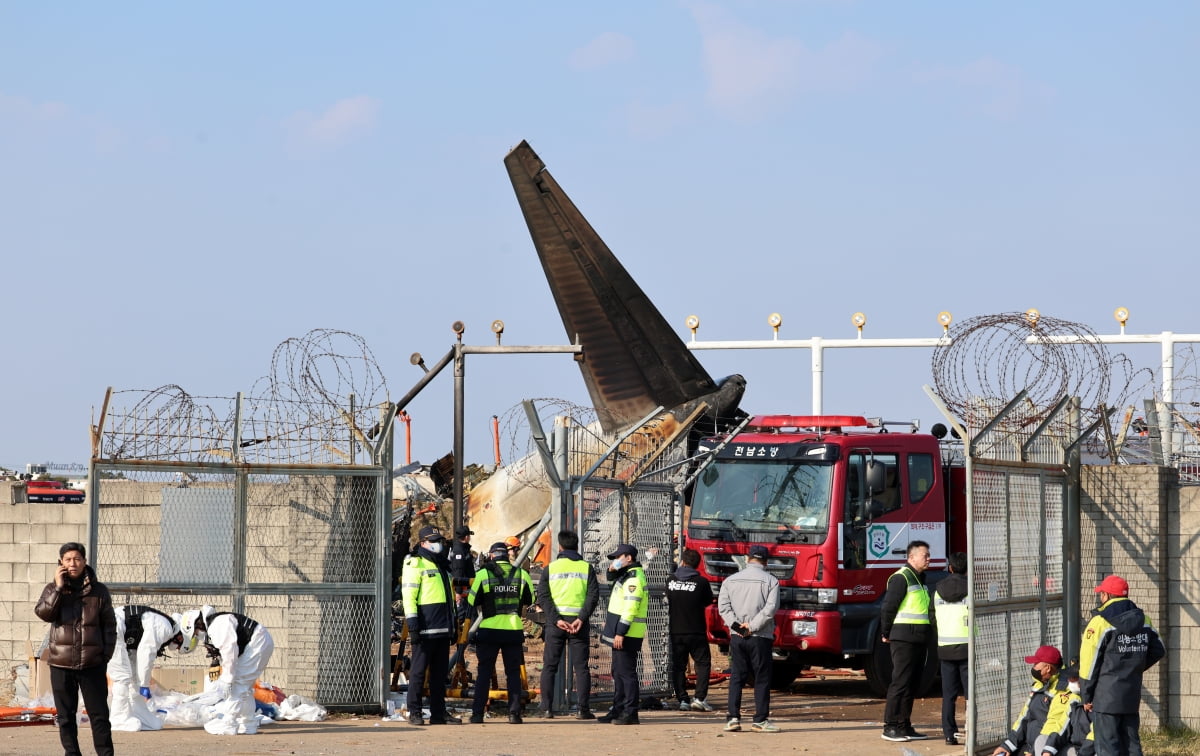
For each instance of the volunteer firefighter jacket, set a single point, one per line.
(689, 594)
(1119, 644)
(628, 604)
(1028, 724)
(428, 600)
(1067, 722)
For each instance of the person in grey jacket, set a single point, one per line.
(747, 603)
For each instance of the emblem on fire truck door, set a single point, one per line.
(877, 538)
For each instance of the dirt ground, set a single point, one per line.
(818, 716)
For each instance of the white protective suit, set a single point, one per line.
(236, 714)
(130, 669)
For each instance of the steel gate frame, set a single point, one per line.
(1016, 457)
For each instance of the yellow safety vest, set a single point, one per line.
(425, 596)
(568, 580)
(500, 598)
(953, 621)
(630, 601)
(914, 609)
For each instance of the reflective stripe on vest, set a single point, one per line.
(953, 621)
(568, 585)
(914, 609)
(621, 596)
(497, 591)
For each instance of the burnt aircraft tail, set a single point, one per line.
(632, 360)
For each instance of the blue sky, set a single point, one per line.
(185, 186)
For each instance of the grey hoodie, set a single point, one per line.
(750, 597)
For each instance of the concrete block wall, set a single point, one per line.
(1127, 515)
(30, 535)
(1183, 607)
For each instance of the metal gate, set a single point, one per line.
(300, 547)
(1019, 476)
(627, 494)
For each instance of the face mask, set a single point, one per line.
(618, 563)
(435, 548)
(1073, 687)
(1036, 675)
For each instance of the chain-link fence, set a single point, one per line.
(301, 548)
(1017, 488)
(630, 497)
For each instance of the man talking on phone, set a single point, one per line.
(83, 636)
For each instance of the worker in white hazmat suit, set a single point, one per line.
(146, 634)
(245, 648)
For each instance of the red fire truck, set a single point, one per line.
(836, 500)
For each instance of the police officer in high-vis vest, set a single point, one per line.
(500, 592)
(624, 629)
(953, 620)
(904, 626)
(429, 614)
(568, 594)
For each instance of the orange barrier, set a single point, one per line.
(268, 694)
(12, 716)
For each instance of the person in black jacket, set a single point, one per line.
(953, 622)
(904, 624)
(462, 562)
(83, 637)
(568, 593)
(689, 594)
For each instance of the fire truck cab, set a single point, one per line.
(836, 500)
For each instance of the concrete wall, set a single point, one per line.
(30, 535)
(1138, 523)
(1183, 614)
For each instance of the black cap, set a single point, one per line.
(758, 552)
(462, 531)
(430, 533)
(499, 549)
(623, 548)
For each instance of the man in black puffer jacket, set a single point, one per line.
(83, 636)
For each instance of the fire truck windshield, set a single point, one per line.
(777, 496)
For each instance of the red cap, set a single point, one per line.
(1113, 586)
(1048, 654)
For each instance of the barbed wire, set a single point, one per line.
(989, 359)
(298, 413)
(518, 442)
